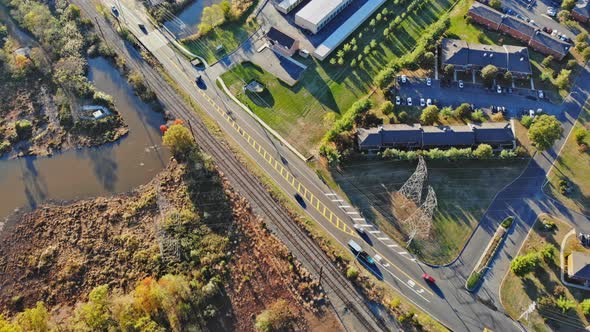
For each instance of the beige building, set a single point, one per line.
(316, 14)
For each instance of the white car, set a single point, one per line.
(422, 102)
(429, 81)
(428, 102)
(551, 11)
(409, 101)
(532, 113)
(541, 94)
(461, 84)
(498, 89)
(404, 78)
(398, 100)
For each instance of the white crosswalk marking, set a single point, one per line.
(330, 194)
(375, 232)
(359, 219)
(392, 245)
(337, 200)
(382, 238)
(354, 212)
(344, 206)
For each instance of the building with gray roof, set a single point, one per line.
(519, 29)
(469, 56)
(500, 135)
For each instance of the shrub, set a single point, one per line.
(522, 265)
(507, 222)
(547, 61)
(507, 154)
(352, 273)
(526, 121)
(331, 154)
(473, 280)
(565, 304)
(462, 111)
(580, 134)
(387, 108)
(395, 302)
(24, 129)
(483, 151)
(498, 117)
(277, 317)
(585, 305)
(403, 116)
(429, 115)
(548, 252)
(478, 116)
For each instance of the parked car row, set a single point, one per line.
(408, 101)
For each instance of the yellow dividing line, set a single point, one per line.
(284, 173)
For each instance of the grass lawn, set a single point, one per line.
(517, 293)
(229, 35)
(463, 189)
(300, 113)
(573, 166)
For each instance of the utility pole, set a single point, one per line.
(191, 129)
(99, 28)
(321, 271)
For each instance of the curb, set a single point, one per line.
(262, 123)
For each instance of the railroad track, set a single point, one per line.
(297, 240)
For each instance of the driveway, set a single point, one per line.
(473, 94)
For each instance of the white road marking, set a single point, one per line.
(352, 213)
(344, 206)
(392, 245)
(420, 291)
(411, 283)
(375, 232)
(402, 252)
(359, 219)
(366, 225)
(337, 200)
(330, 194)
(382, 238)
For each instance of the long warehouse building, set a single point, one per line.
(316, 14)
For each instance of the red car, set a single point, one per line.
(428, 278)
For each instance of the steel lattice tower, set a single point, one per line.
(412, 188)
(420, 222)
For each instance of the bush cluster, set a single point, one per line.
(483, 151)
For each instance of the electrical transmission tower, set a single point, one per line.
(412, 189)
(420, 222)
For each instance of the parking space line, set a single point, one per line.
(374, 232)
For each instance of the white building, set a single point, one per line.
(316, 14)
(285, 6)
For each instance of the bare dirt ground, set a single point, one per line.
(58, 253)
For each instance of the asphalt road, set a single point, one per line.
(447, 301)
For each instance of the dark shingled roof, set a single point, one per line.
(401, 134)
(486, 12)
(369, 137)
(280, 38)
(512, 58)
(583, 8)
(553, 43)
(580, 267)
(493, 132)
(519, 25)
(447, 136)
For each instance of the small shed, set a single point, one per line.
(578, 267)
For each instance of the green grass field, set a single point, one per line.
(518, 293)
(229, 35)
(299, 113)
(574, 166)
(463, 190)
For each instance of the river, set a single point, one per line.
(113, 168)
(187, 22)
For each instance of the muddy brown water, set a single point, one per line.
(118, 167)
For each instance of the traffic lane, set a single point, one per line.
(481, 98)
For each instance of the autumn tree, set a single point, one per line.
(483, 151)
(179, 140)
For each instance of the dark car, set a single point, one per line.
(300, 200)
(428, 278)
(115, 11)
(142, 28)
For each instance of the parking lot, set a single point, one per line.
(480, 97)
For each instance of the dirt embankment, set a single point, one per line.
(58, 253)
